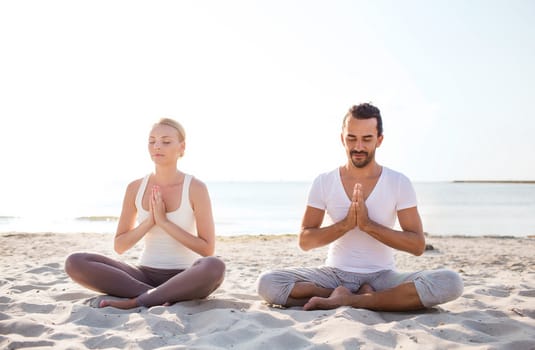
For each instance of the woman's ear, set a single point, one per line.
(182, 149)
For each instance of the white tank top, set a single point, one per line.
(161, 250)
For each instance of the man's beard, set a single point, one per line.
(362, 163)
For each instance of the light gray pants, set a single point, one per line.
(433, 286)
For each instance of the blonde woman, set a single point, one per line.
(171, 211)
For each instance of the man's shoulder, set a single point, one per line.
(394, 173)
(328, 175)
(395, 178)
(325, 180)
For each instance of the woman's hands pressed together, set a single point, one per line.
(157, 206)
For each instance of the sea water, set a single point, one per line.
(447, 208)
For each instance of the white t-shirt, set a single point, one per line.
(356, 251)
(161, 250)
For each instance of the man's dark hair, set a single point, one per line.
(366, 111)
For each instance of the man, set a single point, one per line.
(363, 199)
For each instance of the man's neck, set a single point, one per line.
(372, 170)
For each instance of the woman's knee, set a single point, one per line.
(213, 268)
(74, 263)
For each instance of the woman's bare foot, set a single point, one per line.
(337, 298)
(119, 304)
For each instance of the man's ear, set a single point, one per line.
(380, 140)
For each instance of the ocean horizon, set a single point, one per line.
(466, 208)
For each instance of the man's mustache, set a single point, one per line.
(358, 152)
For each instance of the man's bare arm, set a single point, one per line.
(411, 239)
(313, 236)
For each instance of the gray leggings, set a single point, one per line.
(433, 286)
(150, 286)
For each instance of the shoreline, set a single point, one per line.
(41, 307)
(495, 181)
(256, 235)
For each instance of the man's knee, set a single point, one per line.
(455, 283)
(438, 287)
(266, 287)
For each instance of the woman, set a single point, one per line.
(172, 212)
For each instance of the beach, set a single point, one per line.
(40, 307)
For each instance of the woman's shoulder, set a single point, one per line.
(196, 184)
(197, 188)
(135, 184)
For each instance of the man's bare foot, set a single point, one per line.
(337, 298)
(119, 304)
(365, 288)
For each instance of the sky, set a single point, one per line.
(261, 88)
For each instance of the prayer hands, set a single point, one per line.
(357, 215)
(157, 206)
(361, 209)
(351, 218)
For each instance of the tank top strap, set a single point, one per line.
(141, 191)
(185, 190)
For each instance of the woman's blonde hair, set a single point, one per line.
(176, 125)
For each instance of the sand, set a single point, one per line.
(41, 308)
